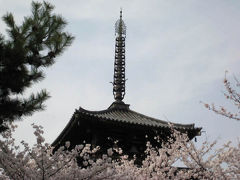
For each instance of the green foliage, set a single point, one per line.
(31, 47)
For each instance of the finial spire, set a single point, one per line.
(119, 64)
(120, 13)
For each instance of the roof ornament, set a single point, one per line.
(119, 63)
(120, 27)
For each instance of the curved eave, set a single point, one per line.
(65, 131)
(157, 122)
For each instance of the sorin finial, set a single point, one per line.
(119, 64)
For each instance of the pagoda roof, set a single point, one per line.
(120, 112)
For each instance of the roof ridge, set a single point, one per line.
(89, 111)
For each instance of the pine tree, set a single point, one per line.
(30, 47)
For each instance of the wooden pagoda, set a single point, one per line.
(118, 122)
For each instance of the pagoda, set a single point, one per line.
(118, 122)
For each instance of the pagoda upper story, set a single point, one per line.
(118, 121)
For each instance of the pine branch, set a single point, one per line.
(32, 46)
(34, 103)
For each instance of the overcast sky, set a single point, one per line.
(176, 56)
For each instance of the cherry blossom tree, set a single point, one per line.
(39, 161)
(200, 163)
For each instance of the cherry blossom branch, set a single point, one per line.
(230, 94)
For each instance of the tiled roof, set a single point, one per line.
(122, 113)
